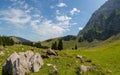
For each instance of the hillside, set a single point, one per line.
(69, 41)
(19, 39)
(104, 23)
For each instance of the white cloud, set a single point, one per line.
(63, 18)
(62, 5)
(36, 15)
(74, 10)
(38, 24)
(47, 29)
(80, 28)
(15, 16)
(21, 2)
(74, 23)
(26, 6)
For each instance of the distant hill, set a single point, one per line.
(19, 39)
(104, 23)
(65, 38)
(69, 41)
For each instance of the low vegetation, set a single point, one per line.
(106, 56)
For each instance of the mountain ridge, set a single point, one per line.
(103, 24)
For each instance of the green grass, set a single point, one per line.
(107, 56)
(71, 43)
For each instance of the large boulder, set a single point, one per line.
(22, 63)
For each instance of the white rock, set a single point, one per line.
(22, 63)
(84, 69)
(36, 62)
(55, 70)
(78, 56)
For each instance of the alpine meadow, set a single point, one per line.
(59, 37)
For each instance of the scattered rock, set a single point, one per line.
(84, 69)
(32, 49)
(69, 65)
(109, 71)
(89, 61)
(55, 70)
(80, 57)
(2, 53)
(22, 63)
(51, 52)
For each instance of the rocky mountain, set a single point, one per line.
(104, 23)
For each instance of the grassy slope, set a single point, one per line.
(71, 44)
(106, 55)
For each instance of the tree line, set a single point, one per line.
(57, 46)
(4, 40)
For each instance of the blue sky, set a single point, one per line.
(38, 20)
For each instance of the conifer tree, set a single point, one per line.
(60, 45)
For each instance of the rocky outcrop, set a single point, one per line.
(22, 63)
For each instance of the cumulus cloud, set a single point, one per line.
(62, 5)
(15, 16)
(74, 11)
(63, 18)
(47, 29)
(80, 28)
(21, 14)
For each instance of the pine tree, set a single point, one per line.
(38, 45)
(76, 47)
(54, 45)
(60, 45)
(4, 40)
